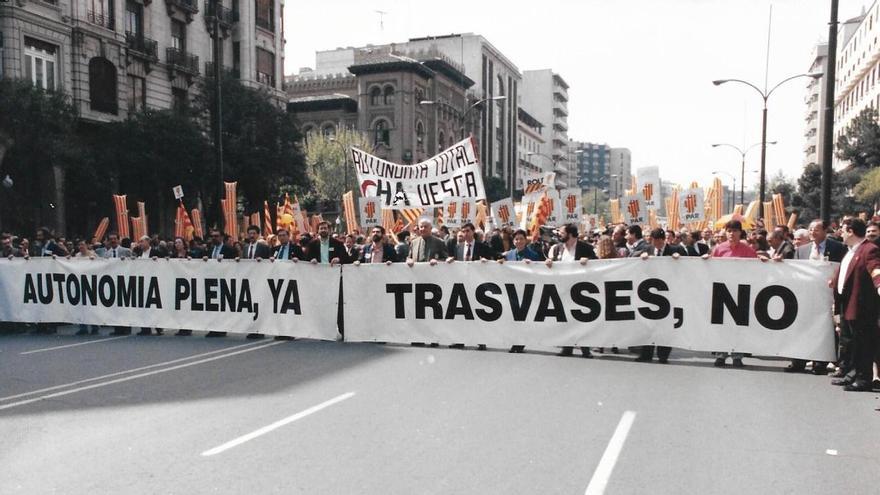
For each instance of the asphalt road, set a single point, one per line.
(193, 415)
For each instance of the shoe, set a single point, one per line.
(876, 385)
(663, 360)
(643, 359)
(841, 382)
(615, 350)
(418, 344)
(280, 337)
(145, 331)
(434, 344)
(183, 333)
(838, 373)
(82, 332)
(566, 351)
(456, 346)
(517, 349)
(481, 347)
(719, 362)
(254, 336)
(791, 368)
(858, 386)
(159, 331)
(215, 334)
(738, 363)
(820, 371)
(586, 352)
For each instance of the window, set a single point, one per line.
(101, 12)
(180, 99)
(420, 137)
(265, 67)
(134, 18)
(236, 57)
(381, 133)
(137, 96)
(40, 63)
(178, 35)
(102, 86)
(375, 96)
(308, 132)
(329, 131)
(266, 14)
(389, 95)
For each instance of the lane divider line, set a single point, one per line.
(274, 426)
(96, 341)
(133, 370)
(606, 465)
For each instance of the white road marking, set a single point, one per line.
(606, 465)
(278, 424)
(133, 370)
(96, 341)
(134, 377)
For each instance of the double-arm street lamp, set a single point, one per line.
(765, 95)
(742, 153)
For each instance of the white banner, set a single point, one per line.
(649, 186)
(538, 181)
(553, 219)
(571, 206)
(503, 213)
(454, 172)
(370, 212)
(280, 298)
(468, 210)
(451, 212)
(690, 206)
(634, 210)
(726, 304)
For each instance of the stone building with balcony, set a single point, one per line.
(114, 57)
(529, 139)
(545, 95)
(411, 104)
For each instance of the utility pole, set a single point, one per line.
(218, 108)
(828, 125)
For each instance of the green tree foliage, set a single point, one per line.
(329, 166)
(809, 192)
(860, 143)
(780, 184)
(261, 147)
(38, 127)
(496, 189)
(868, 189)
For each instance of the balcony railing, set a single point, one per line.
(209, 71)
(226, 16)
(99, 19)
(142, 45)
(182, 61)
(190, 6)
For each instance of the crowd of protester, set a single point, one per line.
(426, 243)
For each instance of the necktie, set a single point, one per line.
(283, 252)
(656, 252)
(814, 253)
(114, 252)
(216, 252)
(251, 252)
(467, 252)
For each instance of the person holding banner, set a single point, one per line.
(659, 247)
(255, 249)
(286, 250)
(378, 251)
(114, 250)
(219, 250)
(521, 250)
(570, 249)
(146, 250)
(425, 247)
(326, 250)
(635, 243)
(471, 249)
(857, 300)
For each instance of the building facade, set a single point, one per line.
(493, 98)
(545, 95)
(529, 139)
(593, 165)
(815, 102)
(857, 84)
(620, 168)
(412, 105)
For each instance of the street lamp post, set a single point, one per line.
(765, 95)
(742, 153)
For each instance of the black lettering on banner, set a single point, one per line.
(578, 296)
(482, 296)
(58, 278)
(470, 181)
(400, 193)
(459, 304)
(73, 291)
(45, 297)
(125, 291)
(291, 298)
(383, 188)
(275, 290)
(546, 309)
(399, 290)
(194, 304)
(89, 289)
(211, 294)
(520, 307)
(613, 301)
(107, 291)
(227, 294)
(140, 292)
(662, 304)
(30, 292)
(356, 160)
(153, 298)
(181, 292)
(789, 307)
(423, 302)
(738, 309)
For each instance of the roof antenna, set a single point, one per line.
(381, 19)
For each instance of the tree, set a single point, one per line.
(496, 189)
(780, 184)
(329, 169)
(806, 200)
(868, 189)
(860, 143)
(261, 142)
(39, 144)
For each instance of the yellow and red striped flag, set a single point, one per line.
(183, 226)
(412, 215)
(230, 210)
(142, 214)
(255, 218)
(119, 204)
(351, 224)
(387, 219)
(198, 230)
(137, 228)
(101, 230)
(267, 220)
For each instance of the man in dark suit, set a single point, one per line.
(857, 301)
(351, 250)
(255, 249)
(783, 249)
(659, 247)
(873, 233)
(470, 249)
(219, 250)
(693, 246)
(378, 251)
(820, 247)
(570, 249)
(287, 250)
(424, 247)
(634, 241)
(146, 250)
(325, 249)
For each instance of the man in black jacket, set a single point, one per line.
(470, 249)
(570, 249)
(219, 250)
(693, 246)
(255, 249)
(325, 249)
(378, 251)
(659, 247)
(287, 250)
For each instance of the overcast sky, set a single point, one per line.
(639, 71)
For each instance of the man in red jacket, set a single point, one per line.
(856, 287)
